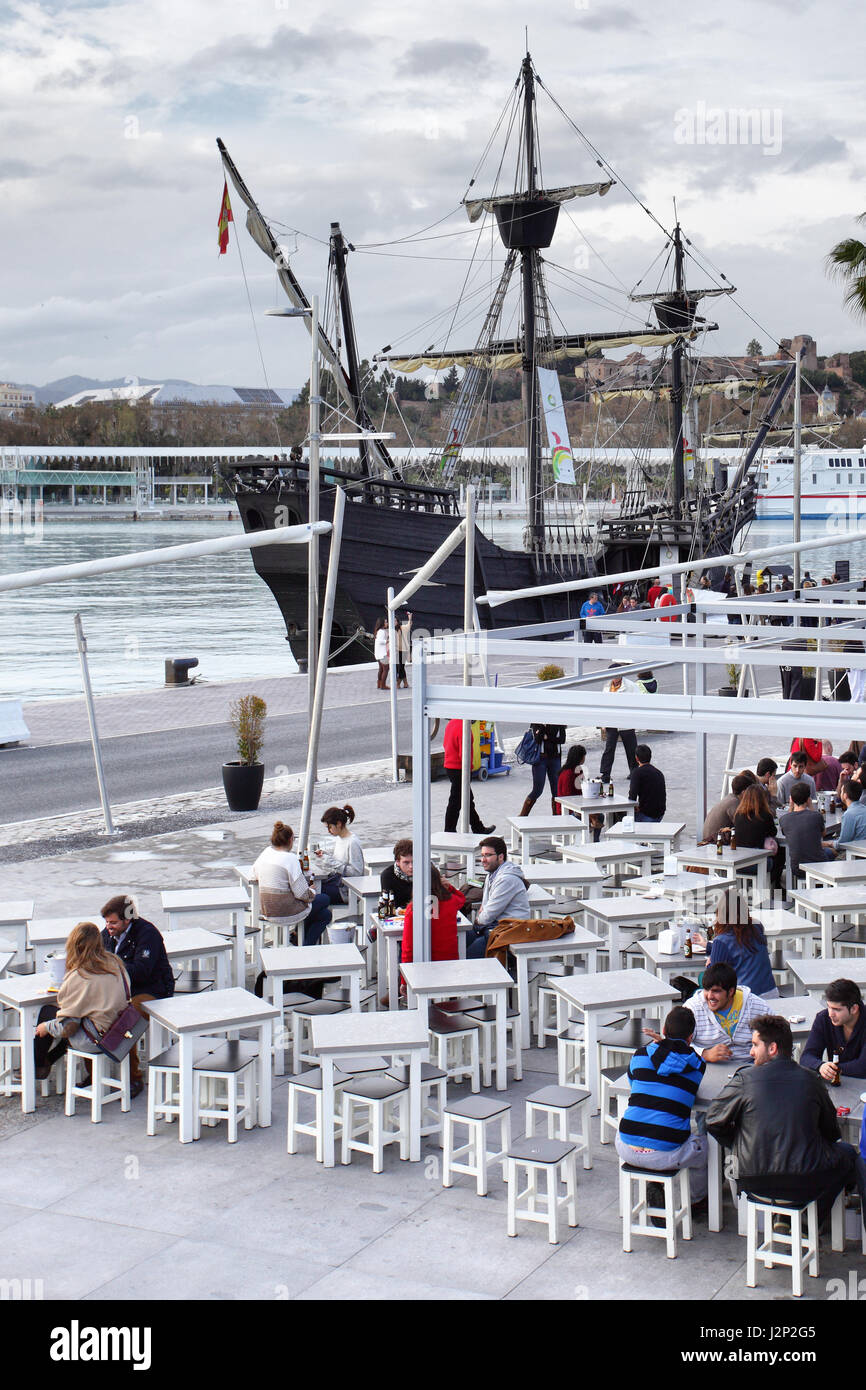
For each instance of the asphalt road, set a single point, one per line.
(51, 780)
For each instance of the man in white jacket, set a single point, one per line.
(724, 1013)
(504, 895)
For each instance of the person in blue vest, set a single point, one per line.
(592, 608)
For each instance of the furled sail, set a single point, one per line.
(510, 354)
(662, 393)
(475, 206)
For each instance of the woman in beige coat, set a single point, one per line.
(95, 988)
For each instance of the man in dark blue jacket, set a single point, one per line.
(839, 1030)
(141, 948)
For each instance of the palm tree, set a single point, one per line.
(847, 262)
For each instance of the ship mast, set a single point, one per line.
(677, 354)
(528, 273)
(338, 260)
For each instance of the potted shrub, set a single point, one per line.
(550, 672)
(243, 780)
(733, 673)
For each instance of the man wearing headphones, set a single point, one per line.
(142, 950)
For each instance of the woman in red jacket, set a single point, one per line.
(446, 902)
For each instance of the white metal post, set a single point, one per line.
(420, 805)
(701, 750)
(313, 516)
(322, 668)
(798, 456)
(392, 695)
(468, 605)
(81, 643)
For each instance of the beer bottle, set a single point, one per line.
(610, 788)
(832, 803)
(382, 911)
(733, 840)
(305, 861)
(710, 935)
(687, 947)
(720, 844)
(391, 905)
(837, 1079)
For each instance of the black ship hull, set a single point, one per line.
(390, 529)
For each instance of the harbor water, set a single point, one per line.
(214, 608)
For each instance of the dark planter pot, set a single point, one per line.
(728, 690)
(243, 785)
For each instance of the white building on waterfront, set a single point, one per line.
(14, 399)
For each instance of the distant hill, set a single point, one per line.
(54, 391)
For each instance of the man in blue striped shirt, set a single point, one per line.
(655, 1131)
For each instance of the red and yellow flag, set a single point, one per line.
(224, 219)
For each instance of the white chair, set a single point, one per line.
(477, 1113)
(434, 1093)
(232, 1067)
(485, 1017)
(550, 1158)
(562, 1106)
(637, 1213)
(454, 1047)
(796, 1249)
(375, 1114)
(103, 1087)
(309, 1083)
(609, 1120)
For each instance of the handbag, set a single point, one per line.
(771, 845)
(528, 751)
(120, 1037)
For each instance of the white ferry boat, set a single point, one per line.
(833, 483)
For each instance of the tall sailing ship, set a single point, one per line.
(393, 522)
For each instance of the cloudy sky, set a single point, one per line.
(377, 115)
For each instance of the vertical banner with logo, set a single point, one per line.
(557, 429)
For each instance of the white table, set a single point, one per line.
(611, 857)
(853, 849)
(699, 892)
(611, 989)
(464, 846)
(665, 966)
(585, 806)
(7, 955)
(45, 934)
(580, 942)
(730, 861)
(829, 906)
(378, 858)
(14, 917)
(664, 833)
(627, 910)
(27, 994)
(446, 979)
(191, 1017)
(570, 878)
(816, 975)
(228, 897)
(526, 829)
(781, 925)
(195, 943)
(310, 963)
(342, 1037)
(364, 890)
(835, 873)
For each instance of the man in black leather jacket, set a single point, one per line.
(781, 1123)
(140, 946)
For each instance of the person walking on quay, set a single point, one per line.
(404, 640)
(550, 738)
(592, 608)
(618, 685)
(452, 742)
(381, 651)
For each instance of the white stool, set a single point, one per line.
(103, 1086)
(301, 1015)
(794, 1249)
(636, 1214)
(608, 1097)
(309, 1083)
(454, 1047)
(550, 1157)
(10, 1066)
(434, 1093)
(546, 1025)
(570, 1056)
(233, 1065)
(837, 1225)
(163, 1084)
(485, 1016)
(282, 1034)
(344, 996)
(473, 1157)
(561, 1104)
(378, 1100)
